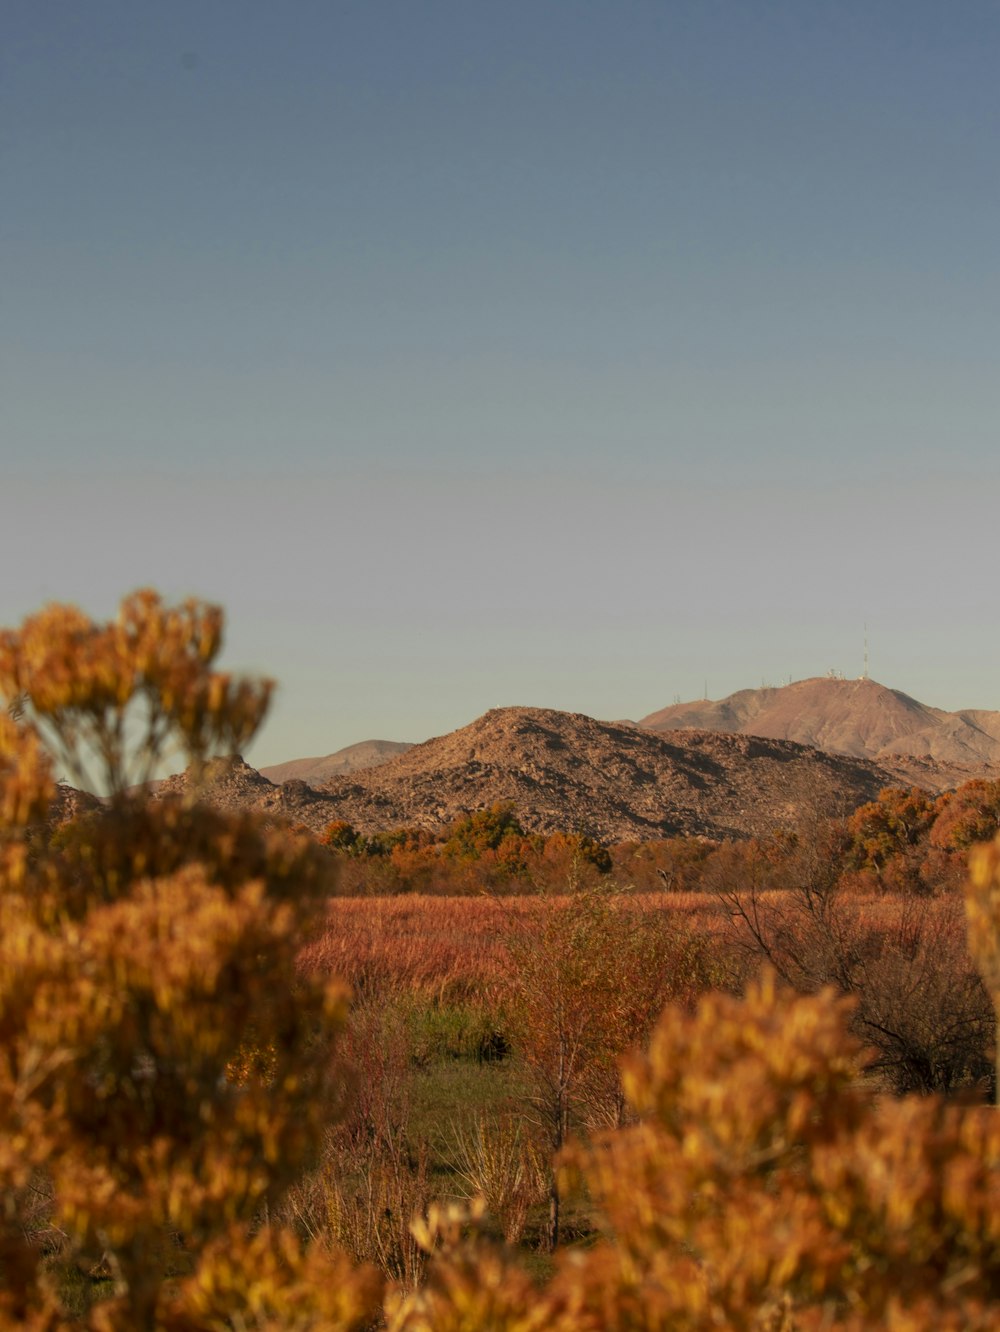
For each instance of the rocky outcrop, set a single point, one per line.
(570, 772)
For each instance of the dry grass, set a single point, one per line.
(450, 948)
(920, 1001)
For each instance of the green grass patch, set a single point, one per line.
(449, 1092)
(456, 1031)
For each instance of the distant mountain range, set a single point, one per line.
(756, 761)
(316, 771)
(567, 771)
(921, 744)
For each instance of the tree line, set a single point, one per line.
(904, 841)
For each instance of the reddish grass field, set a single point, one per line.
(449, 947)
(452, 947)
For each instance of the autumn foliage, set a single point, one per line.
(171, 1061)
(165, 1062)
(904, 842)
(486, 850)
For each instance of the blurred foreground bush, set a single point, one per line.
(165, 1064)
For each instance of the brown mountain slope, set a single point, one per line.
(71, 803)
(315, 771)
(859, 717)
(566, 771)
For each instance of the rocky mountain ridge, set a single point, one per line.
(571, 772)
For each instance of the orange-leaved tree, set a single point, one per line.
(890, 827)
(164, 1062)
(588, 977)
(967, 816)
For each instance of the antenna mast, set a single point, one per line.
(865, 676)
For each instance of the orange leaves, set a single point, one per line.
(765, 1179)
(789, 1053)
(473, 1286)
(117, 694)
(271, 1283)
(61, 660)
(982, 906)
(149, 950)
(26, 785)
(157, 637)
(967, 816)
(888, 826)
(148, 1001)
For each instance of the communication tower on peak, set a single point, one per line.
(864, 673)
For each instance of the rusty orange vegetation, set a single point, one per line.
(452, 947)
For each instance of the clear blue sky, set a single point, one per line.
(572, 354)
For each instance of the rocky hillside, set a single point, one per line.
(316, 771)
(70, 802)
(566, 771)
(920, 744)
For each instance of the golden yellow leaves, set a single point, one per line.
(789, 1053)
(119, 1030)
(472, 1286)
(982, 910)
(26, 784)
(982, 906)
(143, 952)
(120, 694)
(270, 1283)
(767, 1181)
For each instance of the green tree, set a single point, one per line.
(340, 836)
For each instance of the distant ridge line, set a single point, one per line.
(568, 772)
(859, 717)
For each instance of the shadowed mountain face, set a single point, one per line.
(316, 771)
(567, 771)
(917, 743)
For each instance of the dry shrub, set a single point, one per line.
(588, 975)
(377, 1051)
(920, 1003)
(497, 1161)
(370, 1185)
(764, 1186)
(365, 1202)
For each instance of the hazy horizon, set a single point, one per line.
(566, 356)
